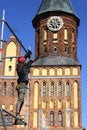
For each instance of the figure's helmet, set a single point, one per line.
(21, 59)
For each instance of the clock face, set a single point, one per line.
(55, 23)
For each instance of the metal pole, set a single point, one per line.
(27, 105)
(2, 32)
(14, 35)
(3, 118)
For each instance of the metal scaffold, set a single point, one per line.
(3, 111)
(2, 33)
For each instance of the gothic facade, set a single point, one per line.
(54, 80)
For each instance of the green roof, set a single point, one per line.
(56, 5)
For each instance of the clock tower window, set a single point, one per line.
(73, 37)
(66, 49)
(45, 49)
(55, 37)
(55, 49)
(45, 35)
(66, 36)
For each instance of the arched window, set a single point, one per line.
(52, 89)
(51, 72)
(67, 70)
(12, 89)
(36, 72)
(73, 37)
(43, 119)
(43, 104)
(51, 118)
(59, 72)
(45, 35)
(35, 120)
(51, 103)
(60, 89)
(36, 95)
(44, 72)
(44, 89)
(59, 118)
(75, 71)
(76, 118)
(59, 103)
(67, 89)
(76, 94)
(66, 34)
(4, 89)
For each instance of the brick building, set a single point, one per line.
(54, 81)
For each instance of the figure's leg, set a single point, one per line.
(20, 102)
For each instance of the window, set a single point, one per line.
(35, 121)
(65, 34)
(59, 72)
(11, 107)
(4, 89)
(59, 118)
(44, 89)
(51, 72)
(44, 72)
(36, 85)
(3, 106)
(73, 37)
(45, 49)
(67, 71)
(52, 89)
(55, 49)
(59, 104)
(43, 104)
(45, 34)
(10, 68)
(55, 37)
(76, 94)
(10, 59)
(76, 119)
(51, 104)
(12, 89)
(67, 103)
(60, 89)
(67, 89)
(51, 118)
(67, 118)
(75, 71)
(66, 49)
(36, 72)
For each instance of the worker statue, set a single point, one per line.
(22, 68)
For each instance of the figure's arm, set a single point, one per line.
(28, 55)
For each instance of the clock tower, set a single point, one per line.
(56, 26)
(55, 88)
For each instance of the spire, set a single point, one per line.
(56, 5)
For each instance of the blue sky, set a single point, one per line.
(19, 15)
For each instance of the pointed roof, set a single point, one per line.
(56, 5)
